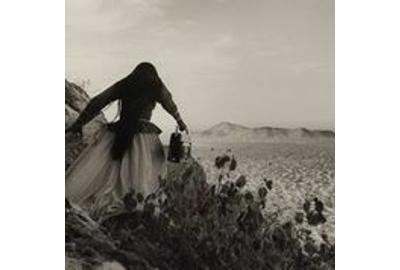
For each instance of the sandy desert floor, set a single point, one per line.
(299, 171)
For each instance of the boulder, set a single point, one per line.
(76, 100)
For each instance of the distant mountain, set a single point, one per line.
(230, 132)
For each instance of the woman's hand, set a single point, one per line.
(182, 126)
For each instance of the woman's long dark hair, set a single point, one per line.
(138, 90)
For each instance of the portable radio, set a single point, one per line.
(180, 147)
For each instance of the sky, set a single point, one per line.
(250, 62)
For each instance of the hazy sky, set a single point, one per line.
(266, 62)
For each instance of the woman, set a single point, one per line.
(125, 155)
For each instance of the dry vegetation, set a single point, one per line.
(299, 171)
(192, 223)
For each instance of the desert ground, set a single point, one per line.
(299, 171)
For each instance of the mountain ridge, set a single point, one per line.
(231, 132)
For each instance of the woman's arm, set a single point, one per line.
(166, 101)
(94, 107)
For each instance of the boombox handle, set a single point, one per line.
(187, 134)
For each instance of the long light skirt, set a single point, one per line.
(98, 183)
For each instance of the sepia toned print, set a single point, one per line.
(200, 134)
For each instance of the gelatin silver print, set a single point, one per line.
(199, 134)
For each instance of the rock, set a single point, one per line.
(73, 264)
(76, 100)
(98, 246)
(195, 225)
(110, 266)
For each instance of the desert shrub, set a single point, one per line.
(189, 224)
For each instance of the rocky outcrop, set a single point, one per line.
(88, 243)
(190, 224)
(186, 224)
(76, 100)
(137, 237)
